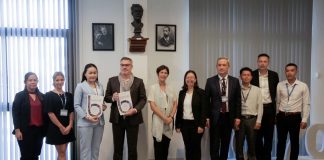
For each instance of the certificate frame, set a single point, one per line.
(94, 107)
(124, 103)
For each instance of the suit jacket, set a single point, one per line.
(82, 90)
(165, 43)
(138, 96)
(21, 111)
(199, 106)
(273, 80)
(213, 92)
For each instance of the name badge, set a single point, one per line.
(224, 99)
(244, 105)
(63, 112)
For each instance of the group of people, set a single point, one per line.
(36, 115)
(251, 108)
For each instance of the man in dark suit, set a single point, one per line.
(131, 118)
(224, 93)
(267, 80)
(166, 40)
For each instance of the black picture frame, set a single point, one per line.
(103, 38)
(166, 44)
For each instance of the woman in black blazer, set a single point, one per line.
(29, 118)
(191, 115)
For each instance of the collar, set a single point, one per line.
(295, 83)
(246, 88)
(266, 75)
(220, 77)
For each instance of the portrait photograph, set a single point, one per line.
(103, 36)
(165, 37)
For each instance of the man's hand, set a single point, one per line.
(115, 97)
(257, 126)
(131, 112)
(303, 125)
(237, 124)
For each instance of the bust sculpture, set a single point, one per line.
(137, 13)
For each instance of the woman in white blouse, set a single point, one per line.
(163, 102)
(191, 115)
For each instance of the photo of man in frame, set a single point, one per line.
(166, 38)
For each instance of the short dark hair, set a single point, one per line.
(245, 69)
(162, 67)
(292, 64)
(185, 86)
(263, 55)
(86, 67)
(126, 58)
(168, 27)
(136, 6)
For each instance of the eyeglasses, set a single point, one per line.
(125, 65)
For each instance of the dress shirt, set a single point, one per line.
(187, 108)
(253, 104)
(298, 101)
(220, 86)
(265, 91)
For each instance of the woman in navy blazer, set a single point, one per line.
(191, 115)
(29, 118)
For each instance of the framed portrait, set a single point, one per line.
(165, 37)
(103, 37)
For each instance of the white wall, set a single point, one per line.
(174, 12)
(118, 12)
(317, 65)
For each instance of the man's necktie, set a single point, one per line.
(223, 107)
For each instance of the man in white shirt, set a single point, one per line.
(252, 110)
(293, 111)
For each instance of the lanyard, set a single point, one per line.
(63, 103)
(245, 98)
(289, 93)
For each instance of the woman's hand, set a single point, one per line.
(62, 130)
(18, 135)
(168, 120)
(67, 130)
(104, 107)
(200, 130)
(93, 119)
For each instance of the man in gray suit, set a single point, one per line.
(130, 121)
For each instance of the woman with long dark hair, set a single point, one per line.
(90, 127)
(191, 115)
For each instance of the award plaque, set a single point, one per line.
(95, 103)
(124, 103)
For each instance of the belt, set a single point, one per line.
(248, 116)
(289, 113)
(267, 105)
